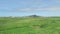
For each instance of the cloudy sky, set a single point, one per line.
(29, 7)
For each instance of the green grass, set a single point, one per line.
(30, 25)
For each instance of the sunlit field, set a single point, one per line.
(30, 25)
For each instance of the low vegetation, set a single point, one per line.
(30, 25)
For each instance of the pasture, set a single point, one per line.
(30, 25)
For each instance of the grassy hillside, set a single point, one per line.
(29, 25)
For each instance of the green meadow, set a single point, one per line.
(30, 25)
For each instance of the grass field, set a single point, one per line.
(30, 25)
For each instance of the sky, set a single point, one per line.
(29, 7)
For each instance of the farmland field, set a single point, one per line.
(29, 25)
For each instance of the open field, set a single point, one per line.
(29, 25)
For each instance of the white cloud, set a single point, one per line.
(38, 9)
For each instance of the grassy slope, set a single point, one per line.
(30, 25)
